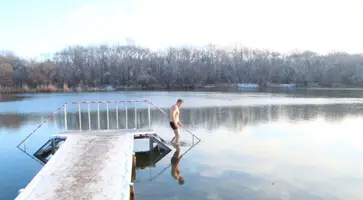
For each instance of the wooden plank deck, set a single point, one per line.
(95, 165)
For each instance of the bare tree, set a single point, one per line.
(130, 65)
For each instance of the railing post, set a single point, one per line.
(126, 115)
(89, 117)
(108, 120)
(98, 115)
(135, 118)
(151, 143)
(149, 115)
(65, 117)
(117, 114)
(53, 146)
(79, 117)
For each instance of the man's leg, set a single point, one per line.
(172, 140)
(177, 136)
(172, 126)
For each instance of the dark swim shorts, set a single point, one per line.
(172, 125)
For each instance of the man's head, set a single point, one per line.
(179, 103)
(181, 180)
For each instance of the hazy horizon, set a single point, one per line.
(30, 29)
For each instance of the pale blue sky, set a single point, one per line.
(33, 27)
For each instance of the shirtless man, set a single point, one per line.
(174, 120)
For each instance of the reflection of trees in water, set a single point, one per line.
(7, 98)
(209, 118)
(237, 117)
(11, 121)
(14, 121)
(212, 118)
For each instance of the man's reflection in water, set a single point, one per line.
(175, 166)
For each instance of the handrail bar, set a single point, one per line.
(96, 102)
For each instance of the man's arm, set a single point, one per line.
(180, 124)
(173, 116)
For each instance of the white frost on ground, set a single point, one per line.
(86, 167)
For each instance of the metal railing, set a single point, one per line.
(108, 110)
(117, 108)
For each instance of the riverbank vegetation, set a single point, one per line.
(130, 66)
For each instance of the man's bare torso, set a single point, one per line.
(174, 118)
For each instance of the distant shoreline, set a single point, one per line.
(180, 88)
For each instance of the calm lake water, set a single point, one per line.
(283, 145)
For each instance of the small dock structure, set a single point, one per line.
(90, 164)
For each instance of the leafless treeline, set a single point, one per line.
(180, 67)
